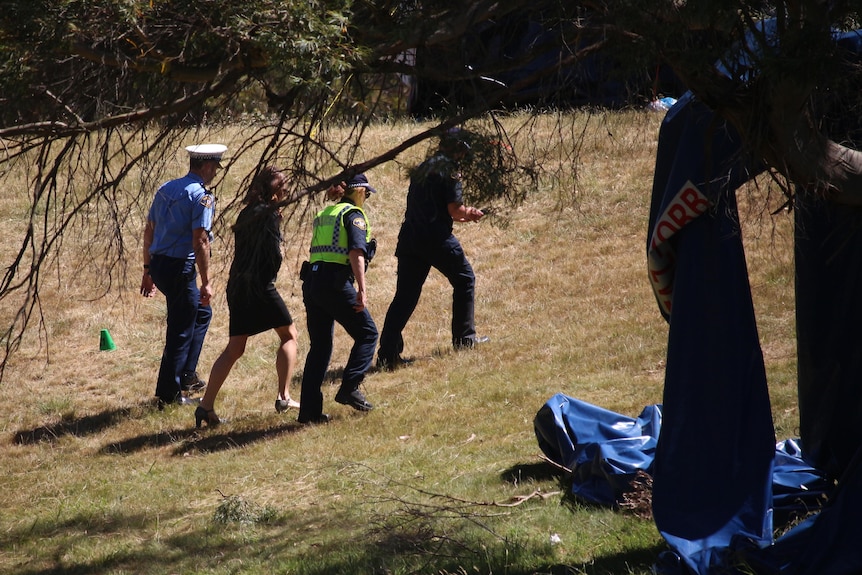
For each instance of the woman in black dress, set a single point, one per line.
(254, 303)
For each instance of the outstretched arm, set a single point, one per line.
(461, 213)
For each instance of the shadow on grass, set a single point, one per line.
(205, 549)
(447, 555)
(78, 426)
(194, 553)
(634, 561)
(291, 543)
(540, 471)
(185, 440)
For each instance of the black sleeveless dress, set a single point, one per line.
(254, 303)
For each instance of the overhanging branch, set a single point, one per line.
(61, 129)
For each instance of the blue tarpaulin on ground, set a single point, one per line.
(605, 450)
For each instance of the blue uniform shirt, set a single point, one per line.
(355, 226)
(180, 206)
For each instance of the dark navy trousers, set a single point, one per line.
(413, 268)
(187, 321)
(329, 296)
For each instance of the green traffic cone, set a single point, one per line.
(106, 343)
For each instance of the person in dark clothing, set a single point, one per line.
(254, 303)
(341, 248)
(434, 201)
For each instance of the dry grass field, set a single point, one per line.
(444, 475)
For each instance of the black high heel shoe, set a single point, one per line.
(206, 415)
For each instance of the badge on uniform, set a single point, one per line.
(207, 200)
(360, 223)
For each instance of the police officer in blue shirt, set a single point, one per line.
(434, 201)
(333, 290)
(177, 240)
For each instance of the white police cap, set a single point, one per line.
(206, 152)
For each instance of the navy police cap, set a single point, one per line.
(360, 181)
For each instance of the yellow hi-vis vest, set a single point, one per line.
(329, 240)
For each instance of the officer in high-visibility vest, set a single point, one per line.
(334, 290)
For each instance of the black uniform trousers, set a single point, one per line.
(413, 268)
(329, 297)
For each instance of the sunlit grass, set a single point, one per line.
(96, 480)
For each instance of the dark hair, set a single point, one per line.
(260, 191)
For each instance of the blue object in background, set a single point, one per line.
(719, 480)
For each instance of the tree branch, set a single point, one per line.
(178, 106)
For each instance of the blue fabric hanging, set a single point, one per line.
(719, 480)
(717, 435)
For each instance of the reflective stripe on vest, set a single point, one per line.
(329, 240)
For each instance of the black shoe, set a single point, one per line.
(470, 342)
(179, 399)
(354, 399)
(191, 381)
(207, 416)
(392, 363)
(314, 420)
